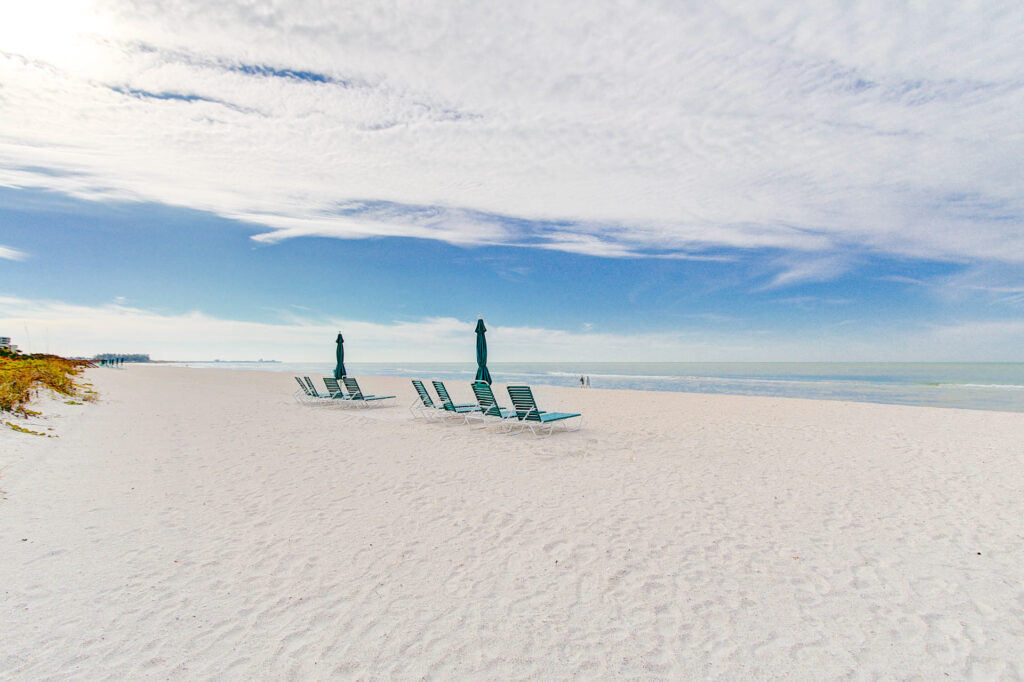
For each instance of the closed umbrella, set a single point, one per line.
(339, 369)
(481, 352)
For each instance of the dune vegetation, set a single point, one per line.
(21, 376)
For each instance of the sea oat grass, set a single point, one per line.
(22, 429)
(22, 375)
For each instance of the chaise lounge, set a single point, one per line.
(465, 410)
(424, 406)
(356, 394)
(490, 411)
(530, 417)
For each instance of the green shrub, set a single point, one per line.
(20, 375)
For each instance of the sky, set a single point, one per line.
(601, 181)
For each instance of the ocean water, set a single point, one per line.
(979, 386)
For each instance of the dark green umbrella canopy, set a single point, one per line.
(339, 369)
(481, 352)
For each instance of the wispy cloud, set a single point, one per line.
(902, 279)
(8, 253)
(809, 269)
(662, 130)
(812, 302)
(713, 317)
(995, 285)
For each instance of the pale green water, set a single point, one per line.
(983, 386)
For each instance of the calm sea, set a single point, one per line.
(980, 386)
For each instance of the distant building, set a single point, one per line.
(5, 344)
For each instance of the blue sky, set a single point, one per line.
(707, 181)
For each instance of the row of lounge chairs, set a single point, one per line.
(351, 394)
(523, 414)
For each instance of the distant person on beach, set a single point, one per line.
(581, 382)
(588, 381)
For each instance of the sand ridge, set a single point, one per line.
(199, 524)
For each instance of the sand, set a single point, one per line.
(200, 524)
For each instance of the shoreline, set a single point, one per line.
(197, 524)
(982, 386)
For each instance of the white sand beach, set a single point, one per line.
(200, 524)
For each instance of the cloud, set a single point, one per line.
(978, 340)
(713, 317)
(995, 285)
(80, 330)
(817, 269)
(667, 130)
(74, 329)
(902, 279)
(813, 302)
(8, 253)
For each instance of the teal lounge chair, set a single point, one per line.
(304, 394)
(463, 410)
(424, 406)
(309, 394)
(335, 390)
(531, 417)
(490, 411)
(356, 394)
(312, 389)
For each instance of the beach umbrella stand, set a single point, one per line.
(481, 352)
(339, 354)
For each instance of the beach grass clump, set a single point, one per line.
(21, 376)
